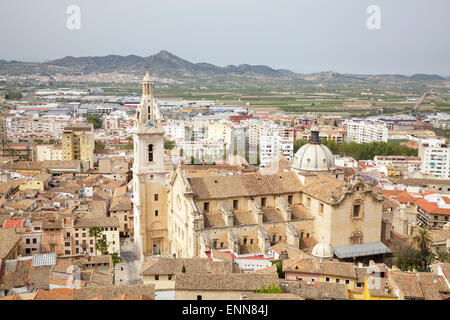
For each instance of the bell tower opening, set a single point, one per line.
(150, 153)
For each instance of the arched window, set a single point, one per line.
(150, 152)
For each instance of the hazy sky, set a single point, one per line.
(301, 35)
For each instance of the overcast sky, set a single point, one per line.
(301, 35)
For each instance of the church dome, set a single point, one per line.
(314, 156)
(322, 250)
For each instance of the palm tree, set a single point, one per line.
(102, 245)
(115, 259)
(423, 241)
(95, 232)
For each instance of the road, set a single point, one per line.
(417, 106)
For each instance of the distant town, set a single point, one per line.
(118, 186)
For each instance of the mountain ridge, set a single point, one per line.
(166, 64)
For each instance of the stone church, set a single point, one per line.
(307, 203)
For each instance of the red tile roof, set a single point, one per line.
(431, 207)
(13, 223)
(389, 193)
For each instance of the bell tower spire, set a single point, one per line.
(147, 109)
(147, 85)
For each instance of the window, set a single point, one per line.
(274, 238)
(301, 235)
(320, 207)
(251, 241)
(150, 153)
(156, 277)
(290, 200)
(199, 297)
(77, 250)
(235, 204)
(263, 202)
(245, 241)
(84, 235)
(125, 218)
(221, 244)
(77, 243)
(356, 210)
(27, 241)
(215, 244)
(347, 281)
(307, 235)
(281, 237)
(67, 251)
(91, 241)
(338, 280)
(92, 250)
(206, 207)
(359, 285)
(68, 234)
(28, 251)
(67, 244)
(169, 277)
(156, 213)
(76, 235)
(156, 197)
(327, 279)
(34, 240)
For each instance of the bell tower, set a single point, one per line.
(149, 176)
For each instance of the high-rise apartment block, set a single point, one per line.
(435, 155)
(361, 131)
(78, 143)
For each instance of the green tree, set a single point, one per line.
(183, 269)
(169, 144)
(423, 241)
(406, 258)
(102, 245)
(279, 265)
(99, 145)
(13, 95)
(270, 289)
(362, 151)
(95, 232)
(115, 259)
(95, 119)
(443, 254)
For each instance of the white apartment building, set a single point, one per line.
(202, 151)
(175, 129)
(272, 146)
(220, 131)
(411, 164)
(48, 126)
(435, 156)
(361, 131)
(258, 128)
